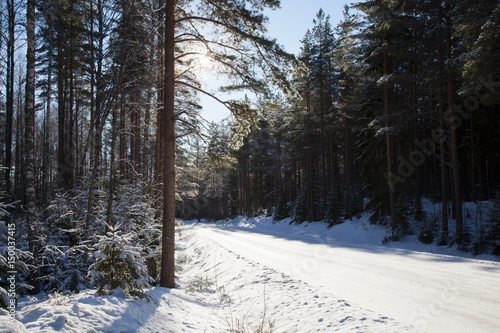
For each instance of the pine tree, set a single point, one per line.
(9, 87)
(478, 28)
(12, 258)
(118, 264)
(344, 60)
(245, 22)
(318, 92)
(29, 133)
(61, 262)
(389, 95)
(282, 210)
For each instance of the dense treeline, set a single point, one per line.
(92, 124)
(400, 101)
(102, 136)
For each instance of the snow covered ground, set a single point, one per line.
(423, 287)
(248, 275)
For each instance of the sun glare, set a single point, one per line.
(204, 62)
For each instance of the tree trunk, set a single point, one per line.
(310, 193)
(159, 113)
(19, 179)
(93, 181)
(454, 140)
(99, 84)
(29, 132)
(9, 94)
(92, 85)
(473, 157)
(444, 174)
(47, 151)
(167, 274)
(109, 213)
(145, 171)
(71, 106)
(61, 118)
(442, 147)
(348, 167)
(392, 195)
(123, 138)
(135, 140)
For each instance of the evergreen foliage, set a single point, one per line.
(62, 264)
(282, 210)
(13, 258)
(118, 264)
(335, 209)
(397, 103)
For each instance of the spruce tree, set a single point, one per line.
(13, 258)
(118, 264)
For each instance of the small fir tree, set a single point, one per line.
(335, 209)
(118, 264)
(61, 262)
(301, 212)
(283, 209)
(12, 257)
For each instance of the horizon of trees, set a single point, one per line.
(398, 102)
(112, 102)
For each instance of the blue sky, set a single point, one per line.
(288, 25)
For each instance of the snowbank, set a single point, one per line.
(220, 290)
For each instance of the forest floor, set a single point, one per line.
(253, 275)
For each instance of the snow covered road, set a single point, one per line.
(429, 292)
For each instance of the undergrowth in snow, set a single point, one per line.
(220, 290)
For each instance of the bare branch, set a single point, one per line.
(225, 103)
(188, 54)
(200, 18)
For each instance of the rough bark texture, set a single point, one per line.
(30, 118)
(167, 276)
(9, 94)
(159, 120)
(29, 131)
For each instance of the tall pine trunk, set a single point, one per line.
(442, 145)
(9, 94)
(111, 186)
(122, 134)
(29, 131)
(167, 274)
(309, 171)
(454, 139)
(135, 141)
(47, 151)
(392, 194)
(92, 85)
(62, 152)
(159, 115)
(348, 166)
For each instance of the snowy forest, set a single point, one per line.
(104, 143)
